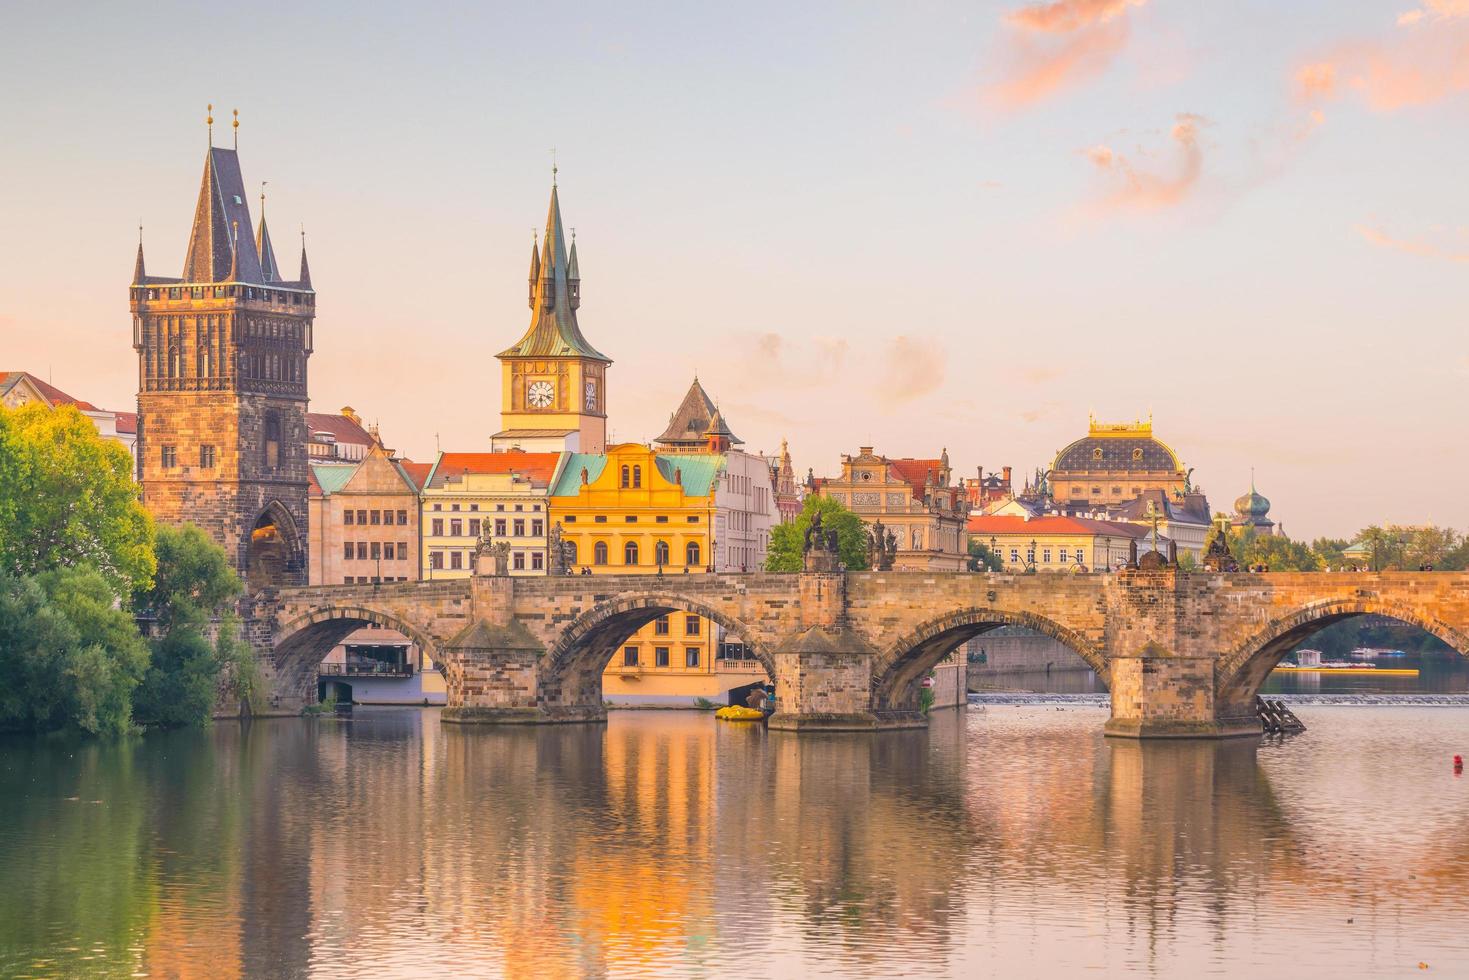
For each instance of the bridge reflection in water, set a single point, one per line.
(1016, 841)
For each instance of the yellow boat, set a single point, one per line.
(737, 712)
(1350, 671)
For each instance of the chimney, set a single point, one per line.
(1005, 470)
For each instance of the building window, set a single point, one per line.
(691, 656)
(1046, 556)
(500, 527)
(436, 560)
(375, 517)
(637, 477)
(1063, 556)
(600, 519)
(599, 553)
(347, 550)
(631, 518)
(537, 561)
(1116, 491)
(438, 506)
(570, 547)
(691, 553)
(535, 508)
(660, 553)
(661, 519)
(537, 528)
(660, 626)
(272, 441)
(456, 528)
(629, 656)
(570, 518)
(168, 456)
(520, 527)
(438, 527)
(660, 656)
(362, 551)
(519, 561)
(454, 507)
(1014, 555)
(1096, 491)
(403, 518)
(348, 517)
(630, 553)
(206, 457)
(626, 477)
(362, 517)
(500, 507)
(691, 626)
(474, 527)
(1080, 557)
(376, 551)
(474, 506)
(519, 508)
(694, 520)
(456, 559)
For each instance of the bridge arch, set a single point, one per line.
(303, 642)
(572, 668)
(1241, 672)
(904, 662)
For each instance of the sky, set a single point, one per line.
(912, 226)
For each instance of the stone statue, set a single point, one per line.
(1172, 552)
(557, 549)
(1132, 553)
(1217, 557)
(813, 534)
(831, 541)
(891, 551)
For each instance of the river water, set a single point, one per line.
(1004, 841)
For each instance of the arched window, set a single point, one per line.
(570, 551)
(637, 476)
(630, 553)
(599, 553)
(691, 553)
(626, 478)
(272, 441)
(660, 553)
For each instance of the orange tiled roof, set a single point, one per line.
(417, 472)
(537, 467)
(54, 395)
(340, 426)
(1052, 524)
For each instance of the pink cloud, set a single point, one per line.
(1382, 239)
(1135, 188)
(1425, 62)
(1054, 46)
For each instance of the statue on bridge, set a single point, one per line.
(491, 553)
(1217, 557)
(882, 547)
(819, 547)
(559, 550)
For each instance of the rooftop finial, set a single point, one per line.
(236, 126)
(262, 204)
(553, 166)
(209, 121)
(140, 232)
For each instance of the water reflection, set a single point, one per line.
(1010, 840)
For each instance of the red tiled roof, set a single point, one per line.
(343, 428)
(52, 394)
(313, 489)
(1006, 524)
(538, 467)
(915, 473)
(127, 422)
(417, 472)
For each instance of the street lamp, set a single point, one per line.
(1030, 557)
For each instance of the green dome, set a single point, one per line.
(1252, 505)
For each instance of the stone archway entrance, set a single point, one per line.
(274, 556)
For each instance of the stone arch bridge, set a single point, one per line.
(1182, 653)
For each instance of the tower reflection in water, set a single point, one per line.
(1014, 840)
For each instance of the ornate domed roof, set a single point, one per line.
(1108, 448)
(1252, 505)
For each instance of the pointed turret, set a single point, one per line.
(689, 427)
(269, 271)
(553, 328)
(221, 207)
(717, 436)
(305, 280)
(573, 275)
(535, 272)
(140, 274)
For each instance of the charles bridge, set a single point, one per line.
(1181, 653)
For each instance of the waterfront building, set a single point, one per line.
(222, 353)
(19, 388)
(1055, 543)
(502, 495)
(636, 511)
(786, 491)
(911, 497)
(553, 382)
(340, 438)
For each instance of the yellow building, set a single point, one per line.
(1053, 543)
(634, 511)
(498, 495)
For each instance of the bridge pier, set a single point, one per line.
(1156, 694)
(823, 682)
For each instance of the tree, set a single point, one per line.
(1275, 551)
(981, 558)
(69, 656)
(198, 639)
(68, 500)
(785, 554)
(1331, 551)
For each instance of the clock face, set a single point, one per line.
(591, 396)
(539, 393)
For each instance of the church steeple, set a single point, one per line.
(553, 327)
(268, 269)
(573, 275)
(140, 274)
(305, 281)
(221, 207)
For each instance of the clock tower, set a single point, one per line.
(553, 393)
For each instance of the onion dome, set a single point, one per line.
(1252, 505)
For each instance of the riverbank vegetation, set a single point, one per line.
(81, 567)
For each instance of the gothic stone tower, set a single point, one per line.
(222, 356)
(554, 393)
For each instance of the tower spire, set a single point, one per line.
(235, 125)
(535, 267)
(209, 122)
(305, 269)
(269, 271)
(139, 273)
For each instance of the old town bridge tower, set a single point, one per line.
(222, 355)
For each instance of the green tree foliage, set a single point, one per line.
(1274, 551)
(1330, 551)
(784, 554)
(69, 657)
(198, 636)
(68, 500)
(981, 558)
